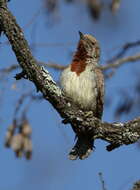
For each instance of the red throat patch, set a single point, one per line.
(78, 64)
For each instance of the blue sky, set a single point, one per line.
(50, 168)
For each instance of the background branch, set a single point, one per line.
(121, 61)
(124, 49)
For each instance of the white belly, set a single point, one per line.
(81, 89)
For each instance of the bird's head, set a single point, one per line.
(90, 45)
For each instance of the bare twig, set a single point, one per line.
(28, 24)
(113, 63)
(9, 69)
(124, 49)
(14, 67)
(53, 65)
(22, 99)
(102, 181)
(56, 66)
(121, 61)
(37, 13)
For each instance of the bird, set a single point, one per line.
(83, 83)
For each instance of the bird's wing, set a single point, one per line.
(100, 90)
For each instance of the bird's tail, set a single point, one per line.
(82, 149)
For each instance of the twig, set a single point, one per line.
(20, 102)
(28, 24)
(33, 18)
(9, 69)
(14, 67)
(121, 61)
(53, 65)
(102, 181)
(22, 99)
(123, 50)
(56, 66)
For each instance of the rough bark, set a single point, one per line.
(116, 134)
(136, 186)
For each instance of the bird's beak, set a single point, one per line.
(81, 35)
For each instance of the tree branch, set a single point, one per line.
(124, 49)
(136, 185)
(116, 134)
(121, 61)
(14, 67)
(113, 65)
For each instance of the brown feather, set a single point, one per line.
(100, 89)
(79, 61)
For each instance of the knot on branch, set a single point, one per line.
(21, 75)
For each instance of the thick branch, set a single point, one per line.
(116, 134)
(136, 185)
